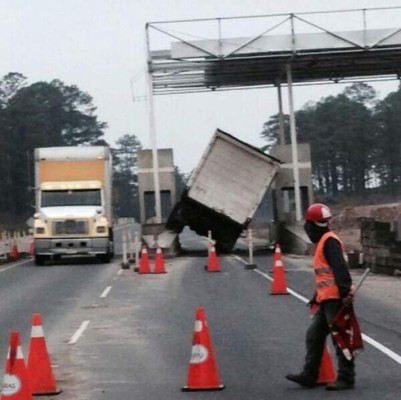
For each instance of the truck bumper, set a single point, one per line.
(72, 246)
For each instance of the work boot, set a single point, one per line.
(340, 384)
(302, 380)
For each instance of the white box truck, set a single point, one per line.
(224, 190)
(73, 203)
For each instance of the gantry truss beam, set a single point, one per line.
(316, 56)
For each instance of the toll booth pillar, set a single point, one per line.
(284, 183)
(146, 184)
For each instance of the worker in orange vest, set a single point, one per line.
(334, 289)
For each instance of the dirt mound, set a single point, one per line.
(346, 221)
(350, 216)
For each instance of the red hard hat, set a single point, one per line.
(319, 214)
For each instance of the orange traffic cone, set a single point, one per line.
(14, 253)
(279, 285)
(213, 262)
(40, 371)
(159, 262)
(327, 373)
(202, 371)
(144, 267)
(16, 381)
(277, 255)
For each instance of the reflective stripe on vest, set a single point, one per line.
(326, 287)
(321, 271)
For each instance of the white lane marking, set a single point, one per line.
(7, 268)
(120, 272)
(385, 350)
(240, 259)
(79, 332)
(105, 292)
(15, 265)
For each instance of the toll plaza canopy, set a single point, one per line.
(321, 47)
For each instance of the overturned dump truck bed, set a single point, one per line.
(224, 191)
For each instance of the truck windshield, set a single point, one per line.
(60, 198)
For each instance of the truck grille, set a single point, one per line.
(70, 227)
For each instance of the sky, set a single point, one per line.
(99, 46)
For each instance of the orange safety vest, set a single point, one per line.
(326, 287)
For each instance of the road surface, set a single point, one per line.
(114, 334)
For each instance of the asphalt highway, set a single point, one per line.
(114, 334)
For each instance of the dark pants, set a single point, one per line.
(316, 339)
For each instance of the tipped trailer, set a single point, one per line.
(224, 190)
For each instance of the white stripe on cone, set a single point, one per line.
(19, 355)
(37, 331)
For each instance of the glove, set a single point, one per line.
(347, 301)
(312, 301)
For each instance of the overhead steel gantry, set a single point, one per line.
(291, 49)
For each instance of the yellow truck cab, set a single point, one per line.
(73, 203)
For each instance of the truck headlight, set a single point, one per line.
(101, 229)
(40, 231)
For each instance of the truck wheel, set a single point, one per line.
(105, 258)
(40, 260)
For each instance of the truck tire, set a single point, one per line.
(225, 241)
(105, 258)
(224, 247)
(40, 260)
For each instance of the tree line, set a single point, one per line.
(355, 141)
(47, 114)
